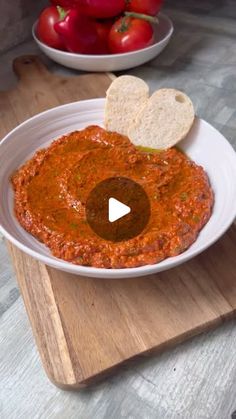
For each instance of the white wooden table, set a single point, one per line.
(197, 379)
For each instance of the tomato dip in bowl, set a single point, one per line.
(52, 188)
(186, 216)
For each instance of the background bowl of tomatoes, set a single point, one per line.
(102, 35)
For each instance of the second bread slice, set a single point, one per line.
(164, 121)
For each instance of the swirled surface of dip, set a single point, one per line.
(51, 190)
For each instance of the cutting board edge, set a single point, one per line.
(153, 351)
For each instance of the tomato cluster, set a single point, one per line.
(98, 26)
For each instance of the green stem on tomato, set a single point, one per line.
(62, 12)
(151, 19)
(125, 23)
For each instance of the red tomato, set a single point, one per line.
(103, 30)
(148, 7)
(130, 34)
(101, 9)
(45, 28)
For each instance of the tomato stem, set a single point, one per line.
(62, 12)
(124, 24)
(151, 19)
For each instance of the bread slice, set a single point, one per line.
(126, 96)
(164, 121)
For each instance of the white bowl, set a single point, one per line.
(205, 145)
(111, 62)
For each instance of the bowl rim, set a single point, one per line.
(168, 35)
(90, 271)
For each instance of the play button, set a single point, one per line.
(117, 209)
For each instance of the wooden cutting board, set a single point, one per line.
(86, 327)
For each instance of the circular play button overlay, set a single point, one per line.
(117, 209)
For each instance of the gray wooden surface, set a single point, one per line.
(197, 379)
(17, 19)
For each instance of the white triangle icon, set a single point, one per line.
(116, 210)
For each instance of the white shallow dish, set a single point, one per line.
(112, 62)
(205, 145)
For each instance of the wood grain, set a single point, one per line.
(86, 327)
